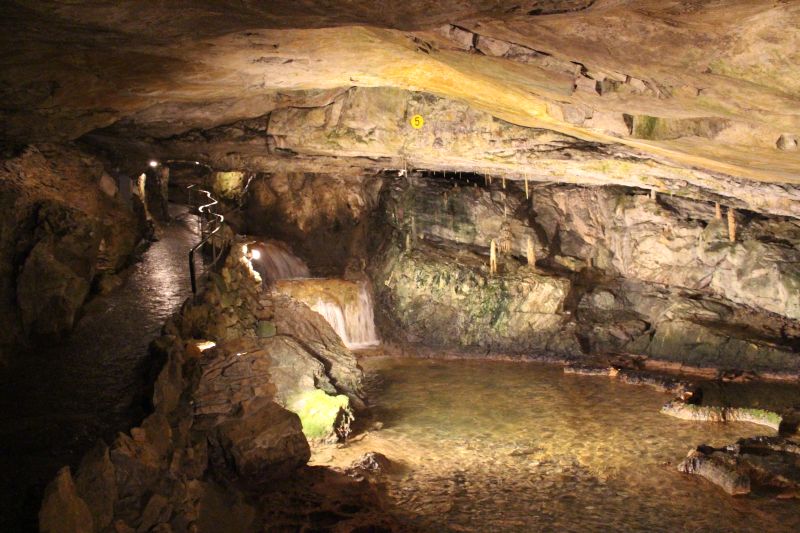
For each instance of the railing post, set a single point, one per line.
(191, 271)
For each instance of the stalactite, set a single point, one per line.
(504, 182)
(506, 238)
(717, 211)
(731, 225)
(408, 241)
(531, 253)
(493, 258)
(527, 192)
(653, 194)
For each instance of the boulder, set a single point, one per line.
(108, 185)
(49, 293)
(718, 469)
(96, 484)
(519, 312)
(63, 511)
(752, 463)
(264, 444)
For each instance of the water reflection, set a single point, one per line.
(488, 446)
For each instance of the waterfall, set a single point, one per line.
(360, 320)
(278, 262)
(354, 324)
(345, 305)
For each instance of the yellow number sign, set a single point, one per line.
(417, 122)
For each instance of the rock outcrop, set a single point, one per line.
(430, 299)
(64, 229)
(759, 463)
(325, 216)
(616, 272)
(223, 411)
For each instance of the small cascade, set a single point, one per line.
(278, 262)
(345, 305)
(360, 321)
(332, 312)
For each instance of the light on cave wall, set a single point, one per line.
(153, 163)
(255, 253)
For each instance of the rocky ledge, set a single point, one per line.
(247, 381)
(65, 232)
(764, 464)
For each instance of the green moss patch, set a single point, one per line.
(319, 412)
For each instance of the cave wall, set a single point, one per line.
(64, 228)
(325, 217)
(618, 272)
(677, 243)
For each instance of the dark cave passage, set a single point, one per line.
(58, 398)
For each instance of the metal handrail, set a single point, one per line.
(206, 235)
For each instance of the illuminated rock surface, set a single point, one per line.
(610, 184)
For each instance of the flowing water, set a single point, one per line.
(353, 322)
(278, 262)
(494, 446)
(345, 305)
(57, 400)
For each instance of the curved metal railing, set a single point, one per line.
(210, 223)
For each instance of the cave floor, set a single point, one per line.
(500, 446)
(57, 400)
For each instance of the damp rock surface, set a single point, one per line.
(62, 232)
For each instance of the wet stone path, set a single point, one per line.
(57, 400)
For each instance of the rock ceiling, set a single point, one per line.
(709, 86)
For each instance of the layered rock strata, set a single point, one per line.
(616, 272)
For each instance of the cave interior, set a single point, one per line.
(455, 265)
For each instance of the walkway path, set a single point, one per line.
(56, 401)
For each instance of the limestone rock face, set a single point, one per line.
(431, 299)
(617, 272)
(720, 76)
(468, 216)
(361, 131)
(324, 215)
(265, 444)
(61, 231)
(638, 238)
